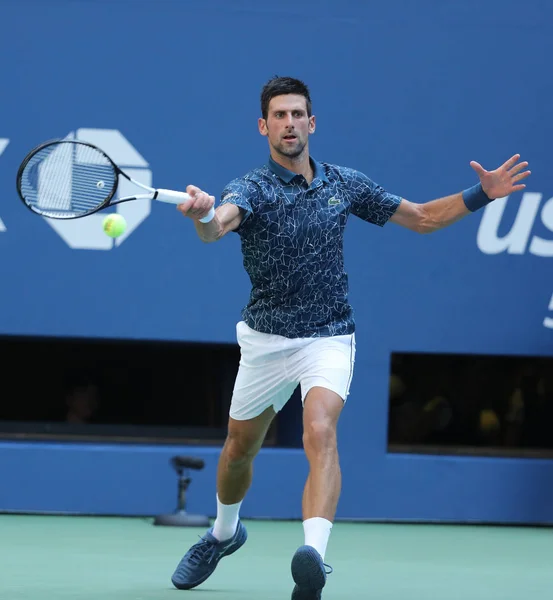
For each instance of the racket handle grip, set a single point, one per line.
(178, 198)
(171, 196)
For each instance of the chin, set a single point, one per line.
(292, 152)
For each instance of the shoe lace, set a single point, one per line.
(204, 550)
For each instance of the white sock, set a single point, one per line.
(226, 521)
(317, 534)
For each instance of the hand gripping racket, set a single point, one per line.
(69, 179)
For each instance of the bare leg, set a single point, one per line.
(244, 440)
(234, 478)
(322, 410)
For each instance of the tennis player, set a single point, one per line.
(298, 327)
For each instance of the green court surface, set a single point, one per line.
(84, 558)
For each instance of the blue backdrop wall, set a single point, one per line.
(409, 93)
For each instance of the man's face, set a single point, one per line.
(288, 126)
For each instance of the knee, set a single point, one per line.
(319, 436)
(240, 449)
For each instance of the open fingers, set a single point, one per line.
(511, 162)
(521, 176)
(517, 168)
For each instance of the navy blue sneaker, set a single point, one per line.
(202, 559)
(309, 572)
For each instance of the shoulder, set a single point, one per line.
(250, 184)
(255, 176)
(346, 175)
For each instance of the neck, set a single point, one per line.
(300, 164)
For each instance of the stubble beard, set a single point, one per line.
(291, 153)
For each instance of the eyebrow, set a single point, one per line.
(275, 110)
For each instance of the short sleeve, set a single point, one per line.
(243, 193)
(369, 201)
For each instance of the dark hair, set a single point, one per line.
(277, 86)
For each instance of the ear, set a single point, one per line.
(262, 124)
(312, 124)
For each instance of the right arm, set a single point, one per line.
(227, 216)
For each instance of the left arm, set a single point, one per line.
(440, 213)
(430, 216)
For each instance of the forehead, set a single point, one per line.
(288, 102)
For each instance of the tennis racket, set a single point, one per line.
(69, 179)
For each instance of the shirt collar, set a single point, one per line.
(287, 175)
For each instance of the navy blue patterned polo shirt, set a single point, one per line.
(292, 243)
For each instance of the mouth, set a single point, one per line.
(290, 138)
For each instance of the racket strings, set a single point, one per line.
(67, 179)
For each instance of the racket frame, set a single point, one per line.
(151, 195)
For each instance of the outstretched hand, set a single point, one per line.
(504, 180)
(198, 206)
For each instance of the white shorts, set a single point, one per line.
(272, 366)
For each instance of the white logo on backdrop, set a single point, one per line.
(86, 233)
(3, 144)
(519, 239)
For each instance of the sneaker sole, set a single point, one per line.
(306, 570)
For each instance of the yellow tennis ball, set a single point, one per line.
(114, 225)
